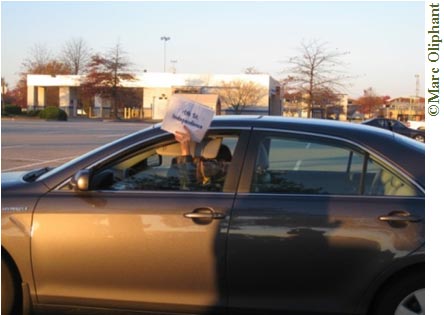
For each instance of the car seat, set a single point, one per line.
(393, 186)
(262, 178)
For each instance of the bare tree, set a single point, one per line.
(76, 54)
(239, 94)
(105, 77)
(316, 69)
(252, 70)
(39, 61)
(39, 56)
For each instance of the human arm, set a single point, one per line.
(186, 166)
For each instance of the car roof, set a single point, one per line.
(352, 131)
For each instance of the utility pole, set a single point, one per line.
(417, 93)
(165, 39)
(417, 85)
(173, 67)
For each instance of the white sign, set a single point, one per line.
(185, 112)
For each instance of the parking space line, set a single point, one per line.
(110, 136)
(13, 146)
(39, 163)
(23, 160)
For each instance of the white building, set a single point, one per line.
(156, 89)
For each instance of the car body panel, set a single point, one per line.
(135, 250)
(319, 248)
(18, 202)
(395, 126)
(166, 259)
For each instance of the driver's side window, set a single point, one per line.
(160, 168)
(142, 170)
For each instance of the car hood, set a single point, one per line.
(13, 183)
(12, 177)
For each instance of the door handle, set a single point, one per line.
(399, 216)
(204, 213)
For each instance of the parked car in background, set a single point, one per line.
(312, 217)
(396, 126)
(415, 124)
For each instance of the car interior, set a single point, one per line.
(155, 168)
(336, 171)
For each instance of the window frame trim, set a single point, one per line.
(259, 133)
(137, 146)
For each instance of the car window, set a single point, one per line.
(382, 123)
(306, 167)
(301, 166)
(382, 182)
(159, 168)
(398, 125)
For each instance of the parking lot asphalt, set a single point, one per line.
(29, 144)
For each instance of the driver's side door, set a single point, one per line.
(135, 247)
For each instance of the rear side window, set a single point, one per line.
(307, 166)
(382, 182)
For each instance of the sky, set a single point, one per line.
(384, 40)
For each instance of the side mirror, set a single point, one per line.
(154, 160)
(80, 181)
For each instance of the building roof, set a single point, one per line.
(210, 100)
(160, 80)
(411, 99)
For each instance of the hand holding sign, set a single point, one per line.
(184, 139)
(185, 112)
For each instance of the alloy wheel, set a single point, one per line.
(412, 304)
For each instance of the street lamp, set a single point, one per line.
(173, 62)
(165, 39)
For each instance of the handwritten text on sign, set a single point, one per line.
(183, 111)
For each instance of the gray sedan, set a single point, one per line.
(308, 217)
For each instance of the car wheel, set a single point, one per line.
(405, 297)
(413, 303)
(8, 289)
(419, 138)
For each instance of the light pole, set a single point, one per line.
(165, 39)
(173, 62)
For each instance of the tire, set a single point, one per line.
(404, 297)
(419, 138)
(9, 292)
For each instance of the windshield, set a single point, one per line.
(85, 156)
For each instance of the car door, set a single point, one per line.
(309, 232)
(136, 240)
(401, 128)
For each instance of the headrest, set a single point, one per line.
(170, 150)
(386, 176)
(396, 182)
(262, 159)
(207, 149)
(224, 154)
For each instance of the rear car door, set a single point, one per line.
(308, 232)
(137, 240)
